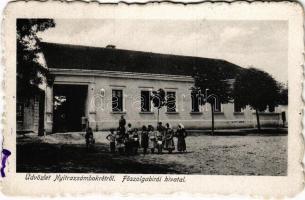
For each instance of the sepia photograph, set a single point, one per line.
(153, 99)
(145, 96)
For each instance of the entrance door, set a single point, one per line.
(69, 107)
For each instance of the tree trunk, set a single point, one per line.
(158, 117)
(257, 119)
(212, 112)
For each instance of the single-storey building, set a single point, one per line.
(101, 84)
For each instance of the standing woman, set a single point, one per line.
(181, 135)
(144, 139)
(169, 139)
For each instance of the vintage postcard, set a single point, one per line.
(153, 99)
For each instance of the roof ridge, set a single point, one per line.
(129, 50)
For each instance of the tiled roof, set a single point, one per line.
(64, 56)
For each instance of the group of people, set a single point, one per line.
(129, 140)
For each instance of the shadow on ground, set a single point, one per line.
(72, 158)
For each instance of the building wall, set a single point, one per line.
(30, 122)
(99, 104)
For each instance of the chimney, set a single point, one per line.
(110, 46)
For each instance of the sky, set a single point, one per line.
(259, 44)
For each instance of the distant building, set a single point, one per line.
(101, 84)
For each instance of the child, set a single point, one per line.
(160, 128)
(120, 141)
(111, 139)
(152, 138)
(129, 129)
(144, 139)
(128, 139)
(89, 137)
(135, 142)
(159, 141)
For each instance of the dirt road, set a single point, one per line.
(207, 155)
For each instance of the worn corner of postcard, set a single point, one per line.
(153, 99)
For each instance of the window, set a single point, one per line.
(117, 100)
(217, 106)
(195, 101)
(237, 107)
(271, 108)
(20, 113)
(171, 101)
(145, 101)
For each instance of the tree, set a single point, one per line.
(283, 94)
(30, 72)
(159, 100)
(214, 87)
(257, 89)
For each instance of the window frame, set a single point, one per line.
(175, 98)
(218, 104)
(195, 98)
(149, 102)
(122, 100)
(235, 110)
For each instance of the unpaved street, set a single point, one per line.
(217, 155)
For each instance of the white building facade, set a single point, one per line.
(103, 96)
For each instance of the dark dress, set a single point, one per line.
(161, 129)
(135, 138)
(144, 139)
(168, 140)
(129, 140)
(181, 135)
